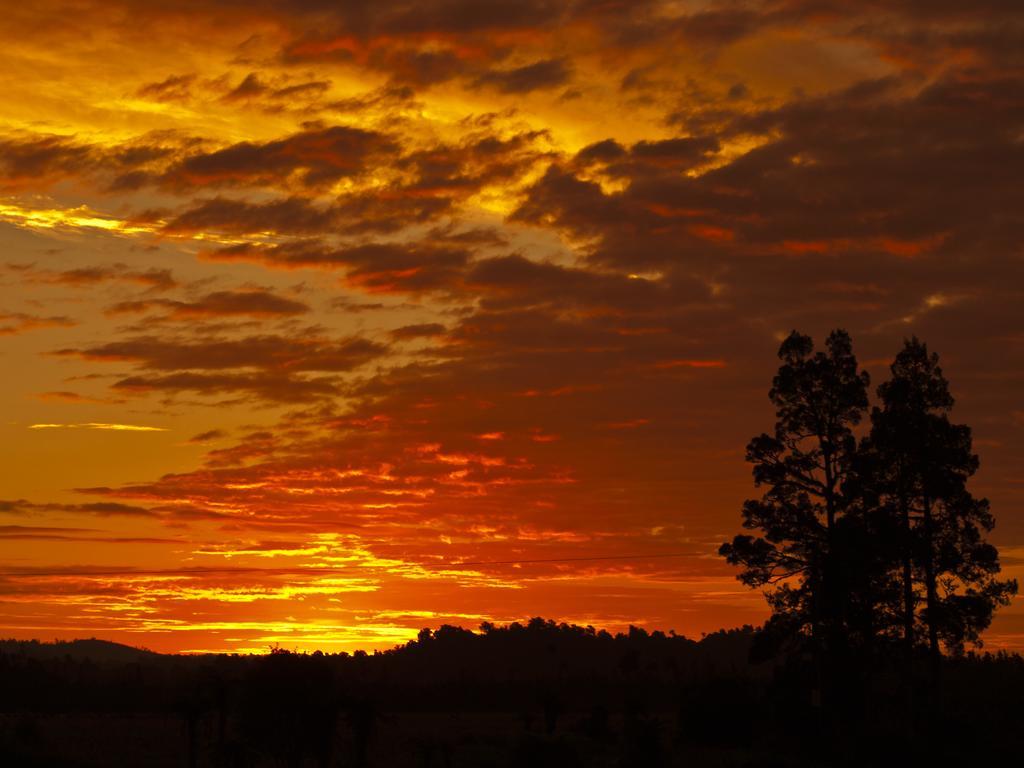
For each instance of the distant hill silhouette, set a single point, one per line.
(91, 649)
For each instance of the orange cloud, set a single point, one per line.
(12, 323)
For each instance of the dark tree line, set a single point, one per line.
(868, 536)
(537, 694)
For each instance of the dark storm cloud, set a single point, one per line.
(412, 67)
(563, 198)
(48, 533)
(540, 75)
(265, 367)
(268, 386)
(253, 446)
(98, 509)
(602, 151)
(308, 89)
(280, 353)
(315, 158)
(389, 212)
(438, 40)
(875, 168)
(497, 282)
(514, 281)
(419, 331)
(289, 216)
(249, 88)
(720, 26)
(32, 159)
(430, 182)
(360, 22)
(252, 303)
(679, 154)
(154, 278)
(208, 436)
(171, 88)
(310, 159)
(376, 267)
(458, 170)
(39, 160)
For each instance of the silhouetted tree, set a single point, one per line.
(804, 466)
(865, 543)
(922, 464)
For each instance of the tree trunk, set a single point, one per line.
(908, 618)
(836, 690)
(931, 591)
(908, 581)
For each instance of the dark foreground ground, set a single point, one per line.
(536, 695)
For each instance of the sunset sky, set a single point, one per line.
(321, 322)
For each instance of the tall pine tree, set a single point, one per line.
(923, 462)
(805, 467)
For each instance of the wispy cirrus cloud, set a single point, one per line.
(100, 426)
